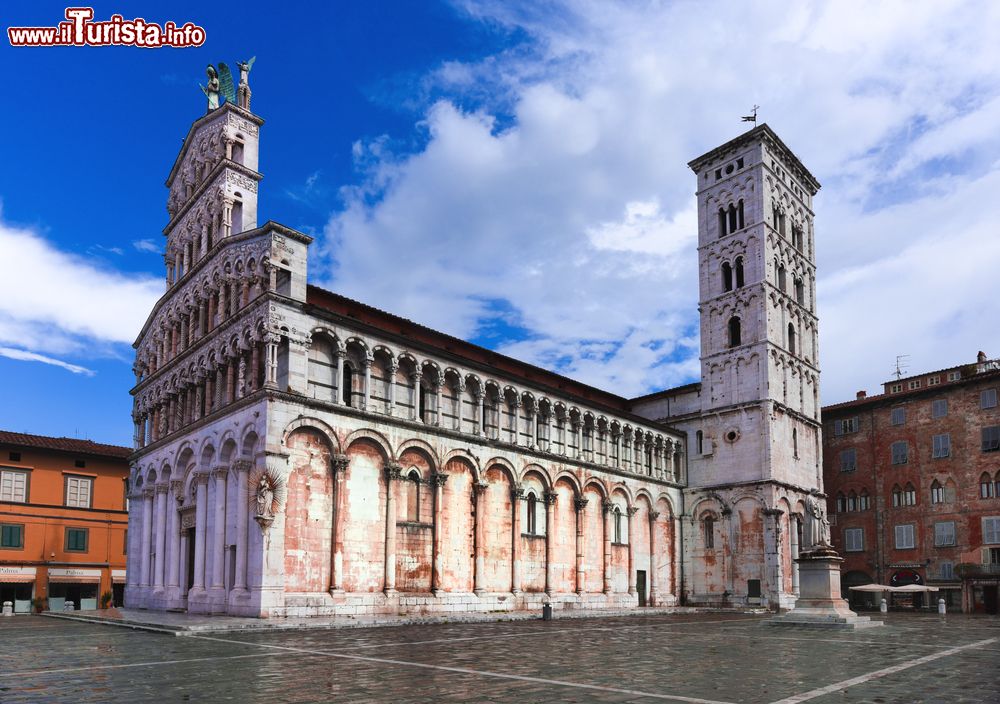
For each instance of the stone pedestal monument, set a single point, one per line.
(820, 603)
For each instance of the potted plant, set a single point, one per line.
(40, 603)
(105, 599)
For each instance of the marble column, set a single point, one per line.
(459, 404)
(516, 496)
(438, 399)
(147, 530)
(161, 535)
(271, 341)
(417, 411)
(478, 430)
(392, 474)
(242, 468)
(220, 474)
(366, 402)
(580, 504)
(631, 549)
(793, 528)
(550, 539)
(390, 387)
(338, 383)
(437, 563)
(606, 507)
(653, 515)
(339, 468)
(479, 580)
(174, 532)
(201, 518)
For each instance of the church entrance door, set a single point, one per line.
(640, 586)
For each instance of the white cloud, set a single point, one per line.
(25, 356)
(54, 302)
(563, 191)
(146, 245)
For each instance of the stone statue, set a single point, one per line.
(265, 497)
(245, 67)
(212, 89)
(818, 524)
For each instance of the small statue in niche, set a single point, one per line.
(265, 497)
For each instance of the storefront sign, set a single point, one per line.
(904, 577)
(21, 571)
(71, 572)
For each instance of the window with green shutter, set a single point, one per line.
(76, 539)
(11, 536)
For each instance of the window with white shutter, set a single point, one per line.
(988, 398)
(78, 491)
(14, 486)
(942, 445)
(991, 530)
(904, 536)
(854, 539)
(944, 533)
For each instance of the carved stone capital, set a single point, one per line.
(393, 470)
(550, 497)
(607, 505)
(437, 479)
(148, 492)
(242, 466)
(161, 488)
(338, 463)
(580, 504)
(632, 510)
(200, 477)
(516, 492)
(653, 515)
(480, 487)
(220, 471)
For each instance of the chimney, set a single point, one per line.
(862, 395)
(981, 357)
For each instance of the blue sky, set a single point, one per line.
(510, 173)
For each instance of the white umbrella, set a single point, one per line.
(914, 588)
(873, 588)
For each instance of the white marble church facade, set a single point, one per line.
(300, 453)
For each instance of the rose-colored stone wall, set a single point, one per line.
(308, 514)
(497, 543)
(564, 536)
(458, 528)
(363, 526)
(593, 541)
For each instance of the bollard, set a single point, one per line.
(941, 607)
(884, 606)
(8, 608)
(546, 612)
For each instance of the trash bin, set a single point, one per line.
(546, 612)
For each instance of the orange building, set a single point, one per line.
(63, 521)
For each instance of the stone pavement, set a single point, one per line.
(709, 658)
(187, 624)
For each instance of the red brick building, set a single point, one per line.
(912, 477)
(63, 521)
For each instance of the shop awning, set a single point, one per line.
(74, 575)
(118, 576)
(17, 575)
(914, 588)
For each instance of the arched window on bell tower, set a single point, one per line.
(735, 338)
(791, 338)
(738, 271)
(727, 277)
(781, 277)
(733, 219)
(722, 222)
(739, 214)
(346, 384)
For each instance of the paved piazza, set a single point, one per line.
(687, 658)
